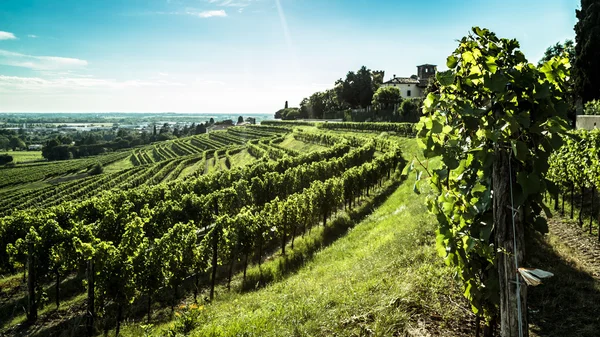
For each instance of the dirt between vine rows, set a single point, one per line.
(585, 246)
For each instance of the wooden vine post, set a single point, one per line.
(510, 308)
(89, 322)
(494, 122)
(32, 305)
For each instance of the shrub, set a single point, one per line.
(592, 108)
(96, 169)
(5, 159)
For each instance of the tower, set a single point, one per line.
(378, 76)
(426, 71)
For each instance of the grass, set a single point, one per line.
(291, 143)
(198, 165)
(383, 278)
(119, 165)
(211, 166)
(222, 164)
(566, 304)
(241, 158)
(24, 156)
(26, 187)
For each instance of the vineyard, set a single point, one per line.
(574, 169)
(172, 235)
(185, 211)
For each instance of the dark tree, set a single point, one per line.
(286, 105)
(358, 88)
(200, 128)
(557, 50)
(409, 110)
(211, 121)
(3, 142)
(5, 159)
(241, 119)
(16, 143)
(586, 70)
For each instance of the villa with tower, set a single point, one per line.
(415, 85)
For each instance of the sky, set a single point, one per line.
(237, 56)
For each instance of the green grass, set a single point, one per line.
(222, 164)
(241, 158)
(383, 278)
(211, 165)
(119, 165)
(24, 156)
(199, 165)
(291, 143)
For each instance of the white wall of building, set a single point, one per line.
(407, 90)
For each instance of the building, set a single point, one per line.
(415, 85)
(35, 147)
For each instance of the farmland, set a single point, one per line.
(203, 234)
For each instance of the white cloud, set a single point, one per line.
(230, 3)
(7, 36)
(210, 14)
(36, 84)
(39, 62)
(32, 36)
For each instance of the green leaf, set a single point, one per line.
(541, 225)
(416, 188)
(429, 101)
(490, 62)
(445, 78)
(520, 150)
(451, 61)
(496, 82)
(408, 168)
(436, 127)
(542, 91)
(467, 57)
(530, 183)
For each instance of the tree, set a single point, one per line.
(304, 108)
(286, 105)
(386, 97)
(586, 70)
(4, 143)
(409, 110)
(96, 169)
(5, 159)
(200, 128)
(357, 89)
(514, 114)
(240, 120)
(211, 121)
(557, 50)
(16, 143)
(592, 107)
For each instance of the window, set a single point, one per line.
(407, 93)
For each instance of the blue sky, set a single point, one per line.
(236, 55)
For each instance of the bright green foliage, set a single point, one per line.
(576, 163)
(386, 97)
(592, 107)
(404, 129)
(490, 100)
